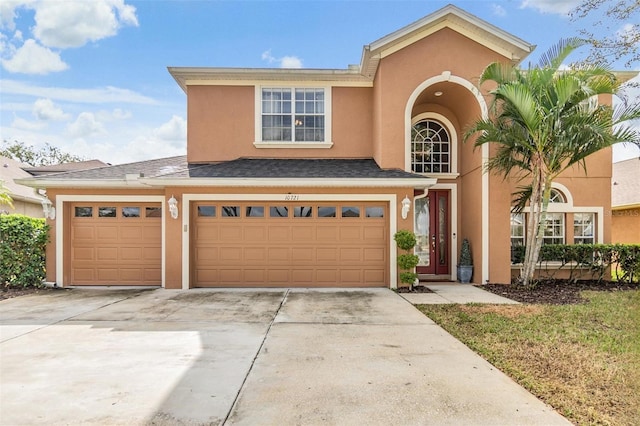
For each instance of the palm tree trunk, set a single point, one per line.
(536, 225)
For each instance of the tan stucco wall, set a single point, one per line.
(400, 73)
(221, 125)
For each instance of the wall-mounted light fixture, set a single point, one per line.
(173, 207)
(48, 209)
(406, 206)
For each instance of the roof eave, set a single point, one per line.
(294, 183)
(82, 183)
(519, 49)
(186, 76)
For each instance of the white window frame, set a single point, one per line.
(568, 207)
(581, 237)
(260, 143)
(453, 143)
(523, 237)
(554, 228)
(442, 142)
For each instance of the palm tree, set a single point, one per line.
(542, 122)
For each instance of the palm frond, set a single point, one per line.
(556, 54)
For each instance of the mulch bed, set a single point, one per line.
(554, 292)
(416, 289)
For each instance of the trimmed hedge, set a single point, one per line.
(22, 250)
(596, 259)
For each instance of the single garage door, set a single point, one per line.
(116, 244)
(253, 244)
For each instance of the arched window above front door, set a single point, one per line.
(430, 147)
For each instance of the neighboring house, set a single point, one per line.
(26, 200)
(625, 202)
(64, 167)
(301, 177)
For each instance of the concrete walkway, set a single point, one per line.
(447, 293)
(244, 357)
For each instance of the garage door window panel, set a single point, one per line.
(254, 211)
(83, 212)
(155, 212)
(302, 211)
(326, 212)
(107, 212)
(207, 211)
(131, 212)
(230, 211)
(278, 211)
(350, 212)
(374, 212)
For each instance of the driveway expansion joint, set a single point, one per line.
(253, 361)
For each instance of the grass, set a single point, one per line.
(583, 360)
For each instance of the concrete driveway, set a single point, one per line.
(249, 357)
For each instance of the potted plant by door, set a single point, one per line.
(407, 261)
(465, 263)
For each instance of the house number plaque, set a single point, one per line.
(291, 197)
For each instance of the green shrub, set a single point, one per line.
(405, 240)
(22, 249)
(407, 261)
(622, 259)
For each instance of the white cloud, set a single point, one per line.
(284, 62)
(116, 114)
(290, 62)
(8, 12)
(559, 7)
(21, 123)
(101, 95)
(173, 131)
(44, 109)
(32, 58)
(85, 125)
(498, 10)
(75, 23)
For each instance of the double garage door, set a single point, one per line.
(234, 244)
(116, 244)
(254, 244)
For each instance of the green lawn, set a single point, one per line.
(584, 360)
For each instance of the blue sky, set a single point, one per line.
(91, 76)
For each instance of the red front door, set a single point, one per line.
(431, 215)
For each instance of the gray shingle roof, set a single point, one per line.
(148, 168)
(178, 168)
(293, 168)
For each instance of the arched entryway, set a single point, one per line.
(436, 114)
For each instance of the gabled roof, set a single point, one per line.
(243, 172)
(452, 17)
(625, 179)
(449, 16)
(10, 170)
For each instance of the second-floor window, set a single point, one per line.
(430, 148)
(293, 115)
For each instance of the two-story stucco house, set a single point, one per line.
(301, 177)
